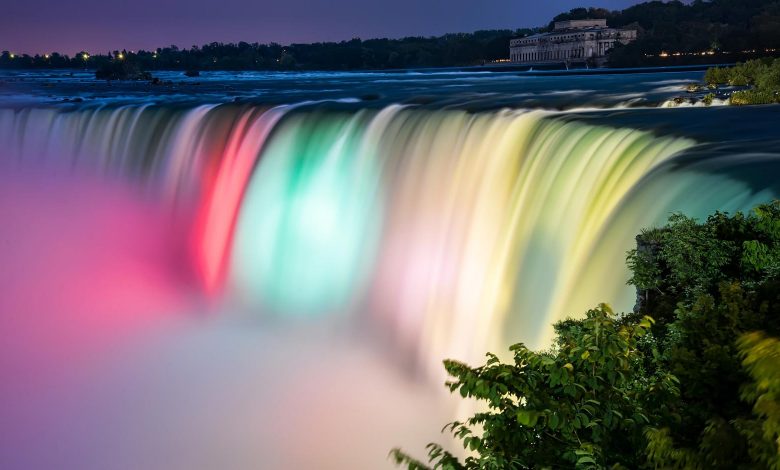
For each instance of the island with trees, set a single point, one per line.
(753, 82)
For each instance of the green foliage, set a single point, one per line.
(769, 78)
(716, 76)
(707, 284)
(761, 358)
(762, 255)
(699, 349)
(748, 97)
(686, 258)
(582, 405)
(763, 76)
(681, 258)
(696, 389)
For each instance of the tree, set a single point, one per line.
(761, 358)
(584, 404)
(709, 284)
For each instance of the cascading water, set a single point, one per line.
(432, 233)
(452, 232)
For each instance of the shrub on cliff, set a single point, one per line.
(697, 388)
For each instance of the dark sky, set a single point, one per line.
(38, 26)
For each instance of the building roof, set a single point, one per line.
(580, 24)
(558, 32)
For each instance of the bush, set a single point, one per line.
(716, 76)
(763, 75)
(746, 97)
(770, 78)
(584, 404)
(738, 79)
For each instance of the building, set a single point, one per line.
(569, 42)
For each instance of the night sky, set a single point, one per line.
(39, 26)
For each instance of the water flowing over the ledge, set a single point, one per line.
(400, 235)
(452, 232)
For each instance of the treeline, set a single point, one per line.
(736, 29)
(449, 50)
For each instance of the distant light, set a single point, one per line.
(120, 56)
(46, 56)
(85, 56)
(663, 54)
(12, 56)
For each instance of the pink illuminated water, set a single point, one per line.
(112, 358)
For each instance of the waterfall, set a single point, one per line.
(451, 233)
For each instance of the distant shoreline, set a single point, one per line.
(523, 70)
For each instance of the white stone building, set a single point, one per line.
(570, 41)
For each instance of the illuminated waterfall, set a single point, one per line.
(450, 232)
